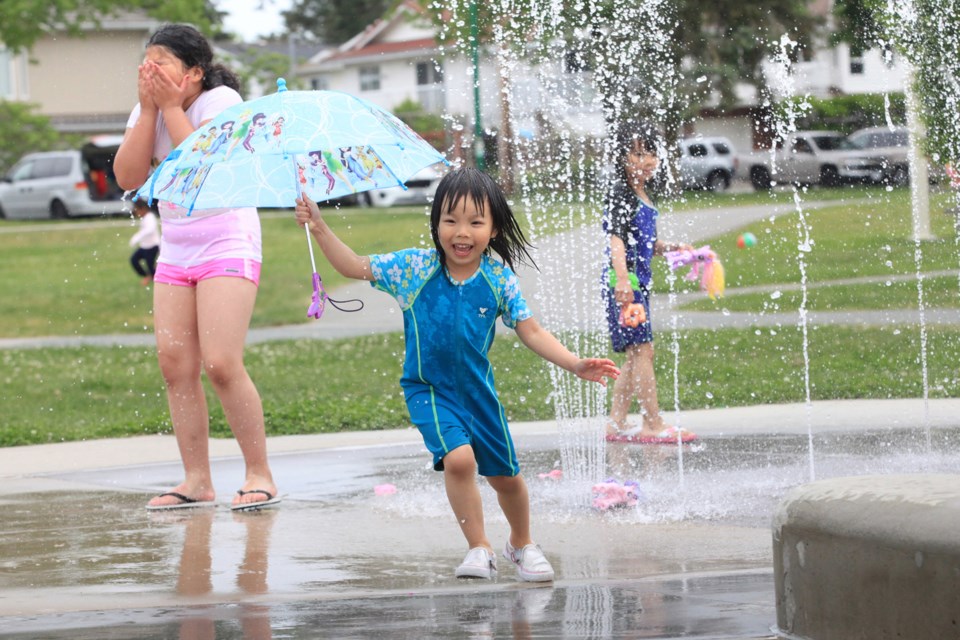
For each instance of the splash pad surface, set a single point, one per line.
(82, 559)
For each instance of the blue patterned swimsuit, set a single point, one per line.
(449, 328)
(635, 222)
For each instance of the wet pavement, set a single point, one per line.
(80, 557)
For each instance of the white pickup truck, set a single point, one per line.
(813, 157)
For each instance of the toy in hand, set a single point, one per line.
(704, 264)
(633, 315)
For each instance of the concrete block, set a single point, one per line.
(869, 558)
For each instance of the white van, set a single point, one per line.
(58, 184)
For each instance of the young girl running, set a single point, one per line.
(451, 297)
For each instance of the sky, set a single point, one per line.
(248, 21)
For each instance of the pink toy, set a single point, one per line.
(704, 264)
(556, 474)
(611, 494)
(384, 489)
(954, 174)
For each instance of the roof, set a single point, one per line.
(370, 42)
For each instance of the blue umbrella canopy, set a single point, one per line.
(267, 151)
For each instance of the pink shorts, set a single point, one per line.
(223, 268)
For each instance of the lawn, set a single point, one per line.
(72, 278)
(316, 386)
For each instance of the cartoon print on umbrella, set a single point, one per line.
(267, 151)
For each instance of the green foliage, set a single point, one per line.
(927, 34)
(856, 24)
(23, 22)
(849, 112)
(265, 67)
(333, 21)
(430, 126)
(23, 131)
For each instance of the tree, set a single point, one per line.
(23, 22)
(333, 21)
(927, 34)
(22, 130)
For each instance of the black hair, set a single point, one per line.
(621, 200)
(628, 136)
(193, 50)
(467, 182)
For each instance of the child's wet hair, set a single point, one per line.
(633, 135)
(467, 182)
(193, 50)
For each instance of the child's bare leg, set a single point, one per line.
(647, 389)
(624, 389)
(224, 309)
(178, 353)
(460, 479)
(515, 501)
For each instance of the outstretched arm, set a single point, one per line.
(343, 258)
(546, 345)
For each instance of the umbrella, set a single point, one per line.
(268, 151)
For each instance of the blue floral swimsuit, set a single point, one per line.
(449, 328)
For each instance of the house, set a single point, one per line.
(85, 84)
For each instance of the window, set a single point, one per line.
(801, 146)
(429, 73)
(52, 167)
(722, 148)
(697, 150)
(856, 66)
(319, 83)
(575, 61)
(369, 78)
(6, 82)
(23, 171)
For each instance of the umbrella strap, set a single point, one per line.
(336, 304)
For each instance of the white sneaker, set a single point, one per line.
(531, 564)
(478, 563)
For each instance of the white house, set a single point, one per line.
(396, 59)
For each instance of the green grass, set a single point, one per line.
(54, 395)
(708, 199)
(71, 278)
(872, 239)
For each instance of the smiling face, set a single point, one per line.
(464, 232)
(640, 164)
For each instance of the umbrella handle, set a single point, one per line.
(313, 262)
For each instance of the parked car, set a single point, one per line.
(891, 146)
(814, 157)
(707, 163)
(420, 190)
(58, 184)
